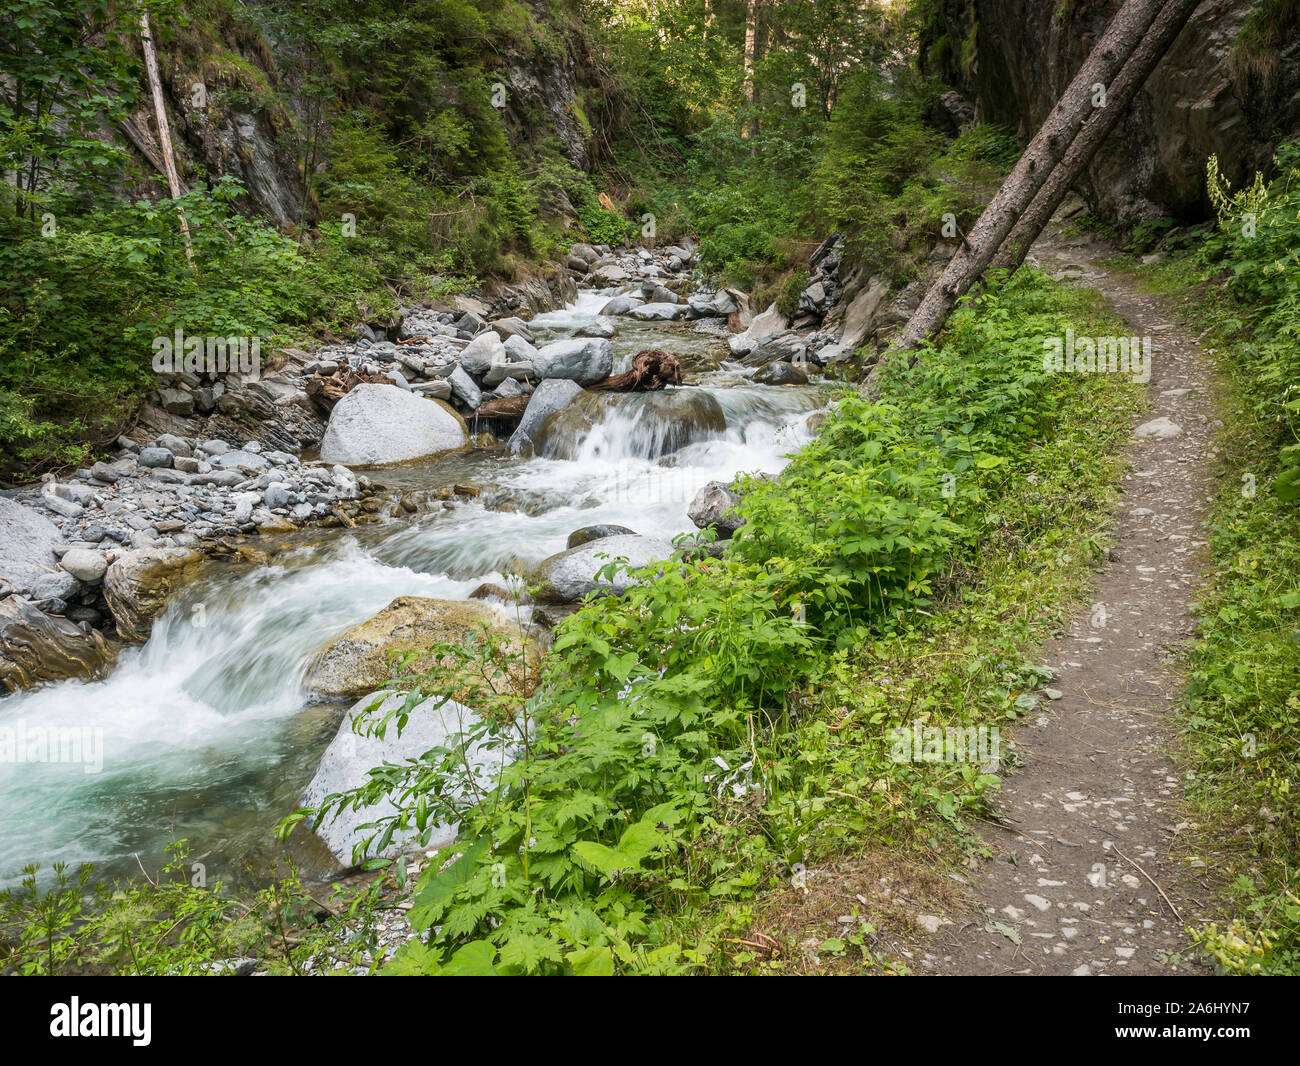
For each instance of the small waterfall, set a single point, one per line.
(207, 728)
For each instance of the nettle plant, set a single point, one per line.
(648, 774)
(1258, 238)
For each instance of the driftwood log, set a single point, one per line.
(325, 392)
(651, 370)
(510, 407)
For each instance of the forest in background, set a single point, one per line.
(757, 128)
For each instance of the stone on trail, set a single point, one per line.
(1158, 429)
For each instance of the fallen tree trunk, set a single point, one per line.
(509, 407)
(164, 130)
(651, 370)
(1128, 83)
(1031, 172)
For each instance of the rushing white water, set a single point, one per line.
(207, 730)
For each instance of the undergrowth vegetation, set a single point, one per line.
(688, 746)
(397, 191)
(1244, 699)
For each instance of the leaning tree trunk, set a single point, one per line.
(1123, 90)
(164, 130)
(1035, 166)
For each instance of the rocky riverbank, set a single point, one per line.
(92, 556)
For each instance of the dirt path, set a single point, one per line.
(1085, 878)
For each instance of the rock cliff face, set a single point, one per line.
(1013, 58)
(232, 113)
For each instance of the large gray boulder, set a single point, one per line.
(349, 758)
(763, 326)
(550, 396)
(480, 353)
(598, 327)
(519, 350)
(568, 576)
(721, 303)
(621, 305)
(787, 345)
(780, 373)
(27, 541)
(585, 360)
(377, 424)
(511, 327)
(659, 312)
(611, 274)
(464, 388)
(665, 421)
(138, 584)
(361, 659)
(861, 313)
(714, 506)
(240, 458)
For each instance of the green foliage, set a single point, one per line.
(670, 762)
(67, 71)
(1244, 710)
(1257, 242)
(172, 924)
(83, 298)
(1256, 50)
(603, 226)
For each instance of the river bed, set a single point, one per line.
(208, 733)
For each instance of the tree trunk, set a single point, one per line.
(1123, 90)
(1035, 166)
(751, 29)
(164, 130)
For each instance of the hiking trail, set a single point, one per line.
(1085, 877)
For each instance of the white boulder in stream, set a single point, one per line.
(568, 576)
(377, 424)
(659, 312)
(767, 324)
(350, 756)
(549, 397)
(585, 360)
